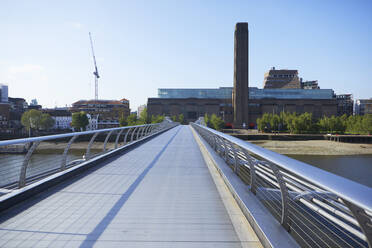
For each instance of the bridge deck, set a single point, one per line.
(160, 194)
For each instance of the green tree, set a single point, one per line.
(79, 120)
(216, 122)
(46, 122)
(123, 121)
(181, 119)
(367, 123)
(31, 119)
(132, 120)
(144, 118)
(157, 119)
(206, 120)
(174, 118)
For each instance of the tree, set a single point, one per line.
(174, 118)
(123, 121)
(181, 118)
(144, 118)
(132, 120)
(367, 123)
(206, 120)
(79, 120)
(157, 119)
(31, 119)
(46, 122)
(216, 122)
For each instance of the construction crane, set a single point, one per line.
(95, 73)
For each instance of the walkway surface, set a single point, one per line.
(160, 194)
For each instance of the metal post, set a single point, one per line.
(363, 219)
(64, 155)
(236, 159)
(134, 131)
(225, 151)
(126, 135)
(107, 138)
(252, 170)
(139, 132)
(117, 138)
(284, 195)
(87, 154)
(22, 176)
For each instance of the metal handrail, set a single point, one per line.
(65, 135)
(354, 192)
(299, 195)
(17, 175)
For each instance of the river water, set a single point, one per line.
(357, 167)
(354, 167)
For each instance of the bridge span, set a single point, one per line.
(159, 194)
(168, 185)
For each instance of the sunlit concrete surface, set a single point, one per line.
(160, 194)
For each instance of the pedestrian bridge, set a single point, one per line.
(169, 185)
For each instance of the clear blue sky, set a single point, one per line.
(145, 45)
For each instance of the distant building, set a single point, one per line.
(309, 85)
(93, 122)
(107, 112)
(4, 93)
(62, 118)
(281, 79)
(363, 106)
(345, 104)
(5, 118)
(192, 104)
(140, 109)
(17, 107)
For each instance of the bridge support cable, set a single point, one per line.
(318, 208)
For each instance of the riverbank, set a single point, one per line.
(314, 147)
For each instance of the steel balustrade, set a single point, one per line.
(318, 208)
(18, 174)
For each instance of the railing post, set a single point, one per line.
(284, 195)
(252, 170)
(107, 138)
(87, 154)
(22, 176)
(363, 219)
(143, 130)
(117, 138)
(64, 155)
(126, 135)
(236, 161)
(225, 150)
(140, 131)
(134, 131)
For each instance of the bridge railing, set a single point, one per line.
(318, 208)
(31, 159)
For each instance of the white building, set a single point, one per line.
(62, 118)
(93, 122)
(140, 109)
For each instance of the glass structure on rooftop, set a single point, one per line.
(254, 93)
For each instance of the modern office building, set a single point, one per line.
(363, 106)
(3, 93)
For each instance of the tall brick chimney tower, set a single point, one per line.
(240, 92)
